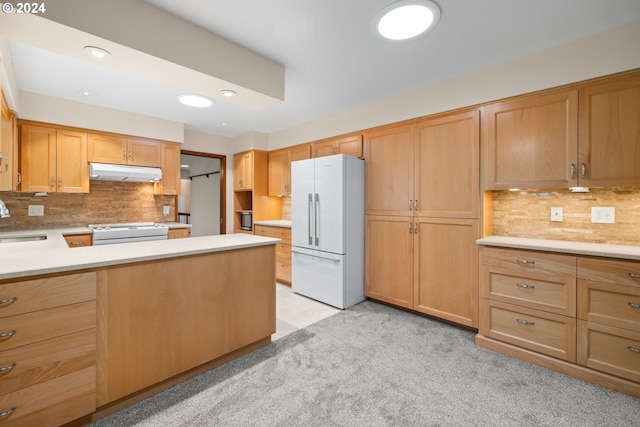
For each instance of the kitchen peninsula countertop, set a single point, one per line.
(53, 255)
(577, 248)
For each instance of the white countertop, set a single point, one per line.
(275, 223)
(53, 255)
(578, 248)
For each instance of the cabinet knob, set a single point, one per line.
(7, 334)
(633, 349)
(634, 275)
(8, 301)
(8, 412)
(524, 322)
(634, 305)
(573, 171)
(524, 286)
(525, 261)
(7, 368)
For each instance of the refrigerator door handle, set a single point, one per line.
(316, 217)
(309, 219)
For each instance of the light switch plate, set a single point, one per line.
(603, 215)
(166, 210)
(556, 214)
(36, 210)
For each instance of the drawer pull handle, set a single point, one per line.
(525, 261)
(634, 275)
(524, 286)
(635, 350)
(525, 322)
(9, 412)
(8, 301)
(7, 334)
(4, 369)
(634, 305)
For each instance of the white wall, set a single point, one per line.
(606, 53)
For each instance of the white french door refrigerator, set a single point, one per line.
(327, 229)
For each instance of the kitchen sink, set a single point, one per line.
(25, 238)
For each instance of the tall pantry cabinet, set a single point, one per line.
(422, 215)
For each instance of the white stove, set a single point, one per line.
(106, 234)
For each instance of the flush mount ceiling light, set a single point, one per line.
(85, 93)
(97, 52)
(228, 93)
(197, 101)
(406, 19)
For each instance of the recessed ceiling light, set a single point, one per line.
(228, 93)
(406, 19)
(85, 93)
(97, 52)
(197, 101)
(224, 124)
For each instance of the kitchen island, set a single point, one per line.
(93, 329)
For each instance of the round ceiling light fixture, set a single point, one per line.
(97, 52)
(407, 19)
(197, 101)
(228, 93)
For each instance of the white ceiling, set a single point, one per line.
(332, 59)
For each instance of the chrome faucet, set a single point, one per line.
(4, 212)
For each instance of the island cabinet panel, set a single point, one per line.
(531, 142)
(161, 318)
(610, 132)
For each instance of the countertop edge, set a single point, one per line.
(561, 246)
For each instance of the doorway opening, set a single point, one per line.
(202, 199)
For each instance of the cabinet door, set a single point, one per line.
(389, 170)
(142, 152)
(279, 173)
(243, 171)
(447, 166)
(531, 142)
(325, 148)
(610, 133)
(446, 269)
(170, 184)
(389, 259)
(107, 149)
(71, 162)
(8, 146)
(38, 158)
(351, 146)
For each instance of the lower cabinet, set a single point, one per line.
(283, 249)
(162, 318)
(425, 264)
(576, 314)
(178, 233)
(48, 350)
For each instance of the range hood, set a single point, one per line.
(107, 172)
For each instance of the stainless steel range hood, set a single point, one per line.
(107, 172)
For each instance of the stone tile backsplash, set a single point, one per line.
(528, 214)
(108, 202)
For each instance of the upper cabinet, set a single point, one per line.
(610, 132)
(588, 136)
(350, 145)
(8, 147)
(531, 142)
(280, 168)
(170, 164)
(120, 150)
(53, 160)
(243, 171)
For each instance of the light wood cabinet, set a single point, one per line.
(159, 319)
(53, 160)
(49, 354)
(179, 233)
(422, 209)
(78, 240)
(8, 147)
(350, 145)
(531, 142)
(280, 168)
(283, 250)
(251, 188)
(609, 129)
(121, 150)
(170, 164)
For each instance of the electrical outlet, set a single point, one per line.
(603, 215)
(166, 210)
(36, 210)
(556, 214)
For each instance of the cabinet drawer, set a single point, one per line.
(46, 324)
(283, 233)
(32, 364)
(528, 261)
(609, 349)
(283, 268)
(78, 240)
(535, 330)
(613, 305)
(609, 271)
(51, 403)
(178, 233)
(31, 295)
(283, 249)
